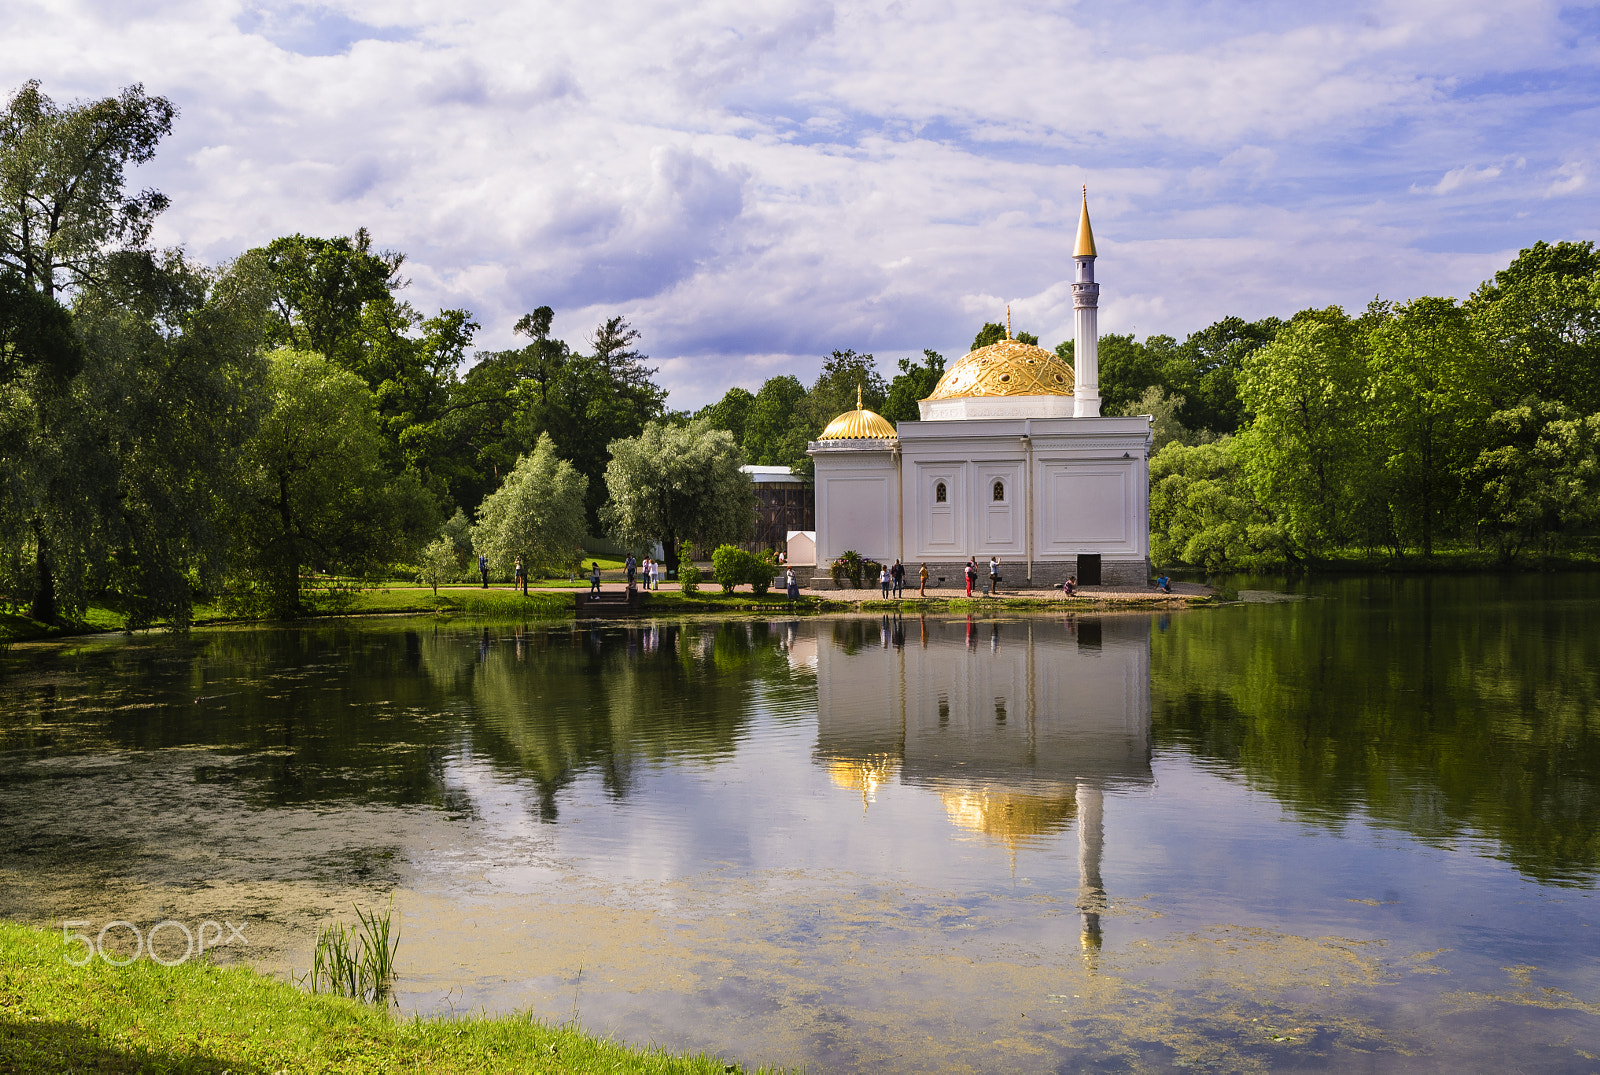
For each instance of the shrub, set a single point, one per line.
(762, 568)
(688, 574)
(848, 566)
(731, 565)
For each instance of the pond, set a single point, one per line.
(1341, 824)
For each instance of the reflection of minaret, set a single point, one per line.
(1091, 845)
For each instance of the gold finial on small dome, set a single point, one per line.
(1085, 245)
(858, 397)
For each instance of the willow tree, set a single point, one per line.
(536, 515)
(674, 483)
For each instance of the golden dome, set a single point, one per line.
(859, 424)
(1007, 368)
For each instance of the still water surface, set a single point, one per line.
(1358, 830)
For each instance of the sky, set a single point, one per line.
(754, 184)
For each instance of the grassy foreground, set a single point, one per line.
(198, 1018)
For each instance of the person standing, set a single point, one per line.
(633, 567)
(897, 575)
(519, 577)
(922, 581)
(791, 584)
(994, 575)
(972, 573)
(883, 581)
(483, 569)
(594, 579)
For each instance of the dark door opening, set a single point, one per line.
(1089, 569)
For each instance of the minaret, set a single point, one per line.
(1086, 322)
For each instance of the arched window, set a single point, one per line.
(938, 493)
(999, 490)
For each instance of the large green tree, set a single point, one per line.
(776, 432)
(673, 483)
(731, 412)
(63, 206)
(316, 492)
(1427, 398)
(1540, 316)
(1303, 447)
(536, 514)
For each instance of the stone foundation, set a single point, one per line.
(1127, 574)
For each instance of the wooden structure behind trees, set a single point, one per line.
(784, 502)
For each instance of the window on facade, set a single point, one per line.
(999, 490)
(938, 493)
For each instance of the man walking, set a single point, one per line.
(633, 567)
(483, 569)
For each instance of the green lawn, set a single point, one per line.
(196, 1018)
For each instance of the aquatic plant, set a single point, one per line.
(357, 961)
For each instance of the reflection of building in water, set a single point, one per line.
(1019, 736)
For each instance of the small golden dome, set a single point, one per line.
(1007, 368)
(859, 424)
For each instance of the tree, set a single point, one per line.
(1302, 448)
(62, 172)
(1165, 425)
(1539, 475)
(775, 431)
(672, 483)
(834, 391)
(544, 357)
(316, 492)
(536, 514)
(324, 287)
(1541, 319)
(915, 382)
(1204, 512)
(438, 564)
(1427, 399)
(593, 400)
(1204, 369)
(731, 412)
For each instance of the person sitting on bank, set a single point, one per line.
(1070, 587)
(1165, 582)
(594, 579)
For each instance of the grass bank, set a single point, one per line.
(198, 1018)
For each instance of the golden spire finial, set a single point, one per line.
(1008, 320)
(858, 396)
(1085, 244)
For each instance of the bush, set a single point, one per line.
(762, 568)
(731, 565)
(848, 566)
(689, 578)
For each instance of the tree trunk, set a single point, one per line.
(43, 608)
(669, 550)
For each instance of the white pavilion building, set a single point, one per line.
(1011, 459)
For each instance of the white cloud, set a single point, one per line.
(756, 183)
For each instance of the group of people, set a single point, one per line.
(650, 569)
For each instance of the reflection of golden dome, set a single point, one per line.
(1007, 368)
(864, 774)
(859, 424)
(1011, 817)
